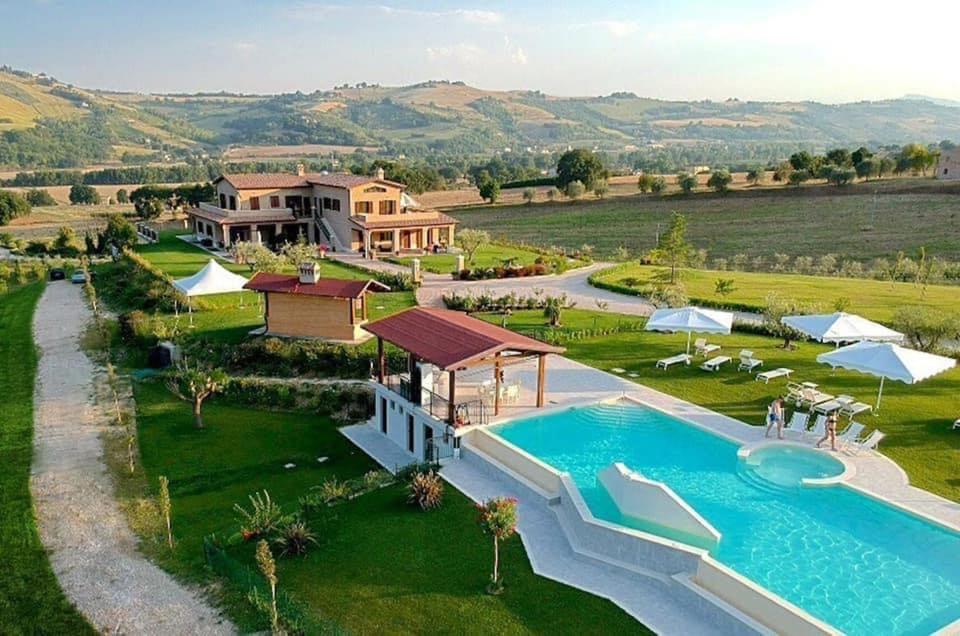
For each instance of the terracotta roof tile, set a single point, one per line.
(450, 339)
(327, 287)
(256, 181)
(405, 220)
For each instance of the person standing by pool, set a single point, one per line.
(775, 417)
(831, 432)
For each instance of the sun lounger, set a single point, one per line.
(805, 396)
(747, 361)
(798, 423)
(819, 427)
(851, 407)
(871, 443)
(781, 372)
(677, 359)
(713, 364)
(850, 434)
(829, 406)
(701, 346)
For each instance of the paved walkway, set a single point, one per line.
(92, 550)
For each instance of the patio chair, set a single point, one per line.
(780, 372)
(851, 434)
(713, 364)
(747, 361)
(798, 423)
(819, 427)
(871, 443)
(828, 407)
(812, 397)
(665, 363)
(702, 348)
(511, 393)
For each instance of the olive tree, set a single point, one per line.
(195, 384)
(470, 240)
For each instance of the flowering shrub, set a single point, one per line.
(426, 490)
(497, 518)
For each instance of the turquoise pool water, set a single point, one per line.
(860, 565)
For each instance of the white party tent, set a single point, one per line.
(887, 360)
(212, 279)
(690, 320)
(841, 327)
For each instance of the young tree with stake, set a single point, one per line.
(498, 519)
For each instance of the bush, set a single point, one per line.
(12, 205)
(332, 490)
(426, 490)
(38, 198)
(295, 538)
(81, 194)
(135, 327)
(262, 519)
(529, 183)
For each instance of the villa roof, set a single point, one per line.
(403, 220)
(265, 181)
(451, 339)
(240, 217)
(326, 287)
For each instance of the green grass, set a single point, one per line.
(877, 300)
(915, 418)
(31, 601)
(493, 255)
(383, 567)
(853, 222)
(220, 318)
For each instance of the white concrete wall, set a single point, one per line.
(518, 461)
(655, 502)
(339, 221)
(397, 411)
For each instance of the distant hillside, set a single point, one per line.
(50, 124)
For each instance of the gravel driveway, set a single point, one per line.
(92, 550)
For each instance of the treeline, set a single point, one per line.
(53, 143)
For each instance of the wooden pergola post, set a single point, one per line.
(496, 384)
(381, 361)
(541, 377)
(452, 397)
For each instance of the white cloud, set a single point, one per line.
(464, 52)
(244, 47)
(519, 56)
(470, 16)
(617, 28)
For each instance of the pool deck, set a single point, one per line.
(656, 603)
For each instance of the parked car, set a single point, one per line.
(79, 277)
(57, 273)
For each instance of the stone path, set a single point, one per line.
(92, 550)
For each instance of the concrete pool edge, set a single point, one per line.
(848, 472)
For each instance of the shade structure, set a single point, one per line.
(690, 320)
(212, 279)
(841, 327)
(887, 360)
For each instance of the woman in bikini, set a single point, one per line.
(831, 432)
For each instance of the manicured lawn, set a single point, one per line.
(915, 418)
(220, 317)
(31, 601)
(878, 300)
(493, 255)
(863, 221)
(383, 566)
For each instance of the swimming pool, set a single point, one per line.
(856, 563)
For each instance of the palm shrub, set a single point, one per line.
(332, 490)
(426, 490)
(263, 518)
(294, 538)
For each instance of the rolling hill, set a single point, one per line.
(37, 111)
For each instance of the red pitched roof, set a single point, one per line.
(254, 181)
(451, 339)
(328, 287)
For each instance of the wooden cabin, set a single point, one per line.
(307, 306)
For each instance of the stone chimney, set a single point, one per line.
(301, 170)
(380, 174)
(308, 273)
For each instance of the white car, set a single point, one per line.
(79, 277)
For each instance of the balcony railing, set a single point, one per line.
(466, 412)
(216, 209)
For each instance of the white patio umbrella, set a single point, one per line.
(887, 360)
(690, 320)
(214, 278)
(841, 327)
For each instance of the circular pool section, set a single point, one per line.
(787, 466)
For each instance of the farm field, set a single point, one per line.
(380, 563)
(916, 418)
(863, 221)
(874, 299)
(31, 601)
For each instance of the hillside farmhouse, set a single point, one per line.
(948, 166)
(348, 212)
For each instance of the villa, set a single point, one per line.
(351, 213)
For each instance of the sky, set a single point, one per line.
(823, 50)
